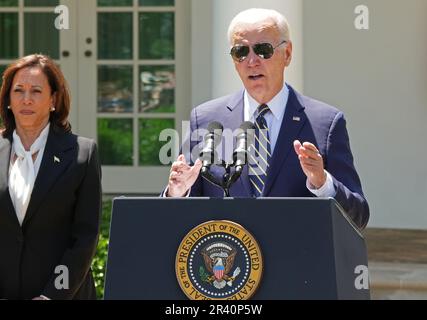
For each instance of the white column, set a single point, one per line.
(224, 77)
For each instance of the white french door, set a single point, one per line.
(134, 69)
(127, 63)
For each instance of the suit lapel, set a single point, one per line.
(292, 123)
(234, 117)
(55, 161)
(5, 200)
(5, 149)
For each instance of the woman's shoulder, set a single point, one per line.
(3, 138)
(75, 138)
(70, 140)
(86, 147)
(84, 141)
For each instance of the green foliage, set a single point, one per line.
(149, 131)
(100, 260)
(107, 3)
(157, 36)
(41, 3)
(2, 69)
(156, 2)
(162, 48)
(115, 141)
(203, 275)
(129, 3)
(8, 3)
(48, 44)
(115, 35)
(164, 109)
(9, 35)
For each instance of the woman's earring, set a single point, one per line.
(8, 107)
(52, 109)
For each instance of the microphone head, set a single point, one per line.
(245, 138)
(208, 155)
(247, 125)
(249, 129)
(215, 125)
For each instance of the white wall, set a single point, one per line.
(378, 78)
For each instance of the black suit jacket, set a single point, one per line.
(61, 225)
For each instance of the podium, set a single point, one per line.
(310, 248)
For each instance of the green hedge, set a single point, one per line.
(100, 261)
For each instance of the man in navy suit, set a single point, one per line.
(305, 144)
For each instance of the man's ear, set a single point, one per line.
(288, 51)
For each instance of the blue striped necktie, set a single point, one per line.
(260, 153)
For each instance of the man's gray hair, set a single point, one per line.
(256, 15)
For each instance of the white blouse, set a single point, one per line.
(23, 171)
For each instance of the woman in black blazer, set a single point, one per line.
(50, 188)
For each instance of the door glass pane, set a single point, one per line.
(157, 89)
(156, 2)
(115, 3)
(149, 146)
(40, 34)
(8, 3)
(115, 36)
(8, 35)
(156, 35)
(41, 3)
(115, 141)
(115, 94)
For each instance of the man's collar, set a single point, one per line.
(277, 104)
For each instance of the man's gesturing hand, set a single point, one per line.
(182, 177)
(311, 163)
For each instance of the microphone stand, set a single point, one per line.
(227, 180)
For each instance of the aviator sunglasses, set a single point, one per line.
(263, 50)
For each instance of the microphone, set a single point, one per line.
(208, 155)
(244, 140)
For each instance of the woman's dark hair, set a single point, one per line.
(57, 83)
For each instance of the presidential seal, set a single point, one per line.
(219, 260)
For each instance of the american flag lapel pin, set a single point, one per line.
(56, 159)
(296, 119)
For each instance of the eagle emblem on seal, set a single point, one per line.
(219, 260)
